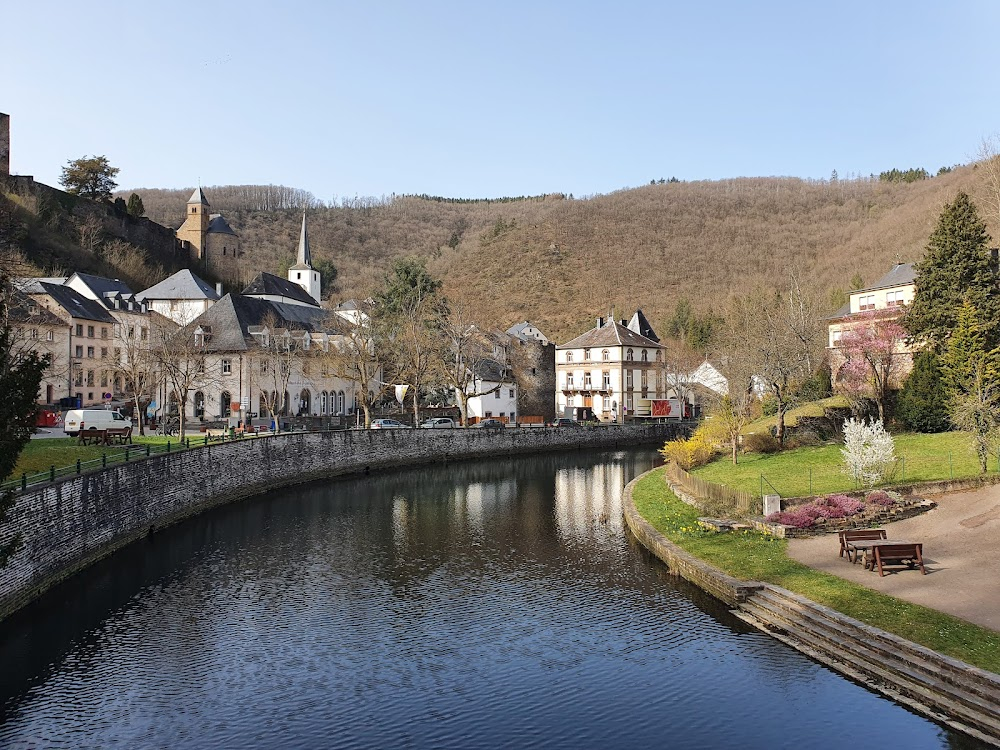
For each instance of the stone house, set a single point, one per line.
(38, 329)
(208, 238)
(532, 359)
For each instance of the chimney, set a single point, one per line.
(218, 288)
(4, 144)
(600, 322)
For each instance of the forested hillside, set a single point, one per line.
(560, 261)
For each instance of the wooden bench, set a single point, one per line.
(852, 535)
(93, 437)
(909, 554)
(120, 435)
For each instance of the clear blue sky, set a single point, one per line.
(470, 99)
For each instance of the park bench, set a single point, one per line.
(93, 437)
(848, 536)
(909, 554)
(120, 435)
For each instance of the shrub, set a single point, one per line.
(923, 401)
(792, 518)
(769, 405)
(869, 451)
(688, 452)
(760, 442)
(880, 498)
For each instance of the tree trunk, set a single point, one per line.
(735, 444)
(779, 429)
(368, 415)
(416, 406)
(138, 416)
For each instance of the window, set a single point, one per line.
(79, 329)
(607, 403)
(569, 356)
(142, 332)
(49, 336)
(629, 356)
(90, 352)
(487, 414)
(866, 302)
(894, 299)
(225, 404)
(201, 367)
(90, 332)
(586, 354)
(90, 378)
(644, 379)
(78, 380)
(118, 354)
(606, 381)
(496, 393)
(659, 355)
(628, 379)
(34, 333)
(79, 351)
(645, 356)
(104, 380)
(104, 352)
(569, 381)
(104, 332)
(510, 393)
(836, 337)
(606, 355)
(263, 367)
(194, 209)
(227, 367)
(586, 381)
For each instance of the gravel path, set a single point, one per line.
(961, 539)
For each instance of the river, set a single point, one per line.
(495, 604)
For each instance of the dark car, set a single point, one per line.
(490, 424)
(566, 422)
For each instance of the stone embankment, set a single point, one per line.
(69, 524)
(949, 691)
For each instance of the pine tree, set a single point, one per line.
(923, 401)
(90, 177)
(135, 207)
(956, 267)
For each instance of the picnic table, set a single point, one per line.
(880, 553)
(854, 541)
(110, 436)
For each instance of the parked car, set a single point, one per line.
(490, 424)
(388, 424)
(438, 422)
(566, 422)
(93, 419)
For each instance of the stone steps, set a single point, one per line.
(946, 690)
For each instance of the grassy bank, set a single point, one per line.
(820, 470)
(756, 557)
(39, 455)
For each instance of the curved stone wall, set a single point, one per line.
(70, 523)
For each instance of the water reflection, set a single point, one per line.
(492, 604)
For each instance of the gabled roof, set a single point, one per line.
(640, 325)
(218, 225)
(492, 371)
(518, 331)
(182, 285)
(303, 259)
(900, 275)
(268, 283)
(104, 287)
(231, 318)
(611, 333)
(23, 309)
(75, 303)
(198, 196)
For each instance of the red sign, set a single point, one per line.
(661, 408)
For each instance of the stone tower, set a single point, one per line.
(4, 144)
(303, 273)
(195, 224)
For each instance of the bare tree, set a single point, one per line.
(987, 160)
(278, 352)
(740, 362)
(135, 360)
(182, 358)
(360, 354)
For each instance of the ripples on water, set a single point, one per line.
(493, 604)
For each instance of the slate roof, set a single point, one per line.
(231, 317)
(842, 312)
(104, 287)
(198, 196)
(75, 303)
(492, 372)
(182, 285)
(611, 333)
(218, 225)
(23, 309)
(303, 259)
(268, 283)
(640, 325)
(900, 275)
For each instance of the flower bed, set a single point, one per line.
(838, 512)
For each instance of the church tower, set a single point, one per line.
(195, 225)
(303, 273)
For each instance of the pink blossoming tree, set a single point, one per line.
(873, 346)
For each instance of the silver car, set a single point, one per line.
(445, 422)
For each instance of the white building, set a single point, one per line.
(499, 399)
(181, 297)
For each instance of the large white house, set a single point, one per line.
(499, 393)
(181, 297)
(611, 370)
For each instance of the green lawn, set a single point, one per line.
(819, 470)
(753, 556)
(39, 455)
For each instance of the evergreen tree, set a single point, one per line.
(135, 207)
(956, 267)
(90, 177)
(923, 401)
(20, 375)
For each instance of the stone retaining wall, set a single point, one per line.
(73, 522)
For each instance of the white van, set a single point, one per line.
(93, 419)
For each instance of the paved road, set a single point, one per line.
(961, 538)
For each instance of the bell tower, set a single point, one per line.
(195, 225)
(303, 273)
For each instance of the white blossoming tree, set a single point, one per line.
(869, 451)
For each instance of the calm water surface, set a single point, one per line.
(494, 604)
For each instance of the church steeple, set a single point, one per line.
(303, 273)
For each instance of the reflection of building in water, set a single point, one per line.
(473, 501)
(585, 497)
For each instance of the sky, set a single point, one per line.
(473, 100)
